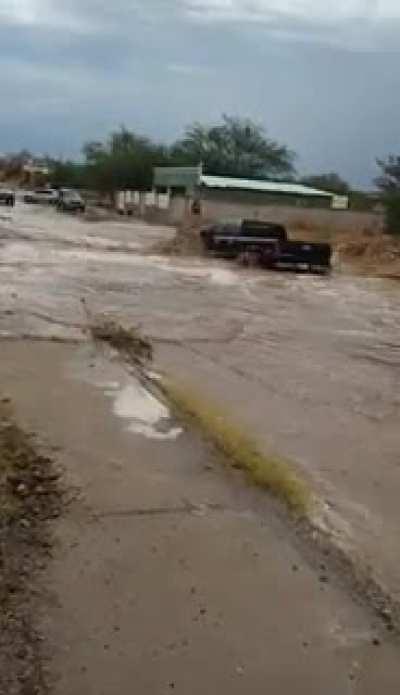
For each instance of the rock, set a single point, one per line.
(25, 523)
(22, 490)
(240, 670)
(22, 653)
(376, 642)
(295, 568)
(386, 614)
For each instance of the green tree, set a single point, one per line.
(389, 183)
(67, 174)
(328, 182)
(237, 147)
(124, 162)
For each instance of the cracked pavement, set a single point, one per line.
(308, 365)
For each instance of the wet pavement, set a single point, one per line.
(309, 365)
(165, 578)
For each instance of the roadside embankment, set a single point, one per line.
(29, 497)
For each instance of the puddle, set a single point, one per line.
(146, 414)
(131, 401)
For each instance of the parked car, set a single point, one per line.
(7, 197)
(47, 196)
(70, 201)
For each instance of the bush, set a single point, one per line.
(392, 213)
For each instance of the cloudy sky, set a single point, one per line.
(321, 76)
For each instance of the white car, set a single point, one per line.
(47, 196)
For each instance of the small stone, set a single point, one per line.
(376, 642)
(22, 653)
(295, 568)
(25, 523)
(172, 686)
(203, 611)
(193, 590)
(386, 614)
(306, 645)
(22, 489)
(240, 670)
(106, 647)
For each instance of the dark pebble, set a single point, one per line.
(295, 568)
(376, 642)
(324, 579)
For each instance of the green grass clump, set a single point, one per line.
(240, 451)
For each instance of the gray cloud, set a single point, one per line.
(322, 80)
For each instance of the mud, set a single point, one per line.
(309, 365)
(30, 496)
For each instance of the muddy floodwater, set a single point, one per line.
(309, 365)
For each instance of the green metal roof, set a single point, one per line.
(262, 186)
(191, 177)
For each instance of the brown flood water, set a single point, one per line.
(309, 365)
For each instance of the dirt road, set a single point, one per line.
(309, 365)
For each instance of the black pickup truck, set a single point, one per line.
(267, 244)
(231, 239)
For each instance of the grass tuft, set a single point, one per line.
(240, 451)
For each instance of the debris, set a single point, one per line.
(128, 341)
